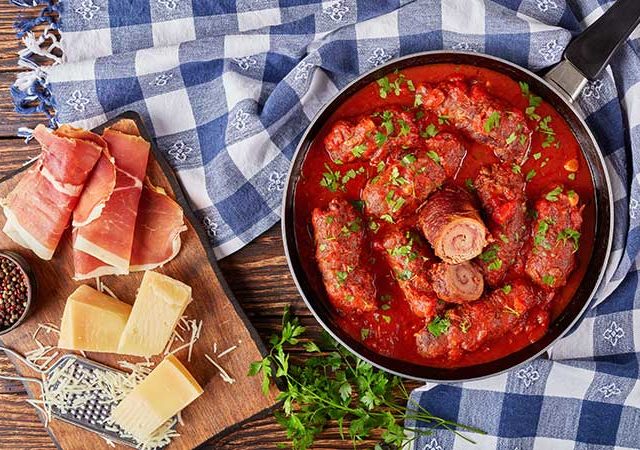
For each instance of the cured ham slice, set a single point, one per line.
(109, 237)
(97, 191)
(157, 236)
(40, 206)
(156, 240)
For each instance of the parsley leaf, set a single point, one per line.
(439, 325)
(492, 122)
(552, 196)
(429, 132)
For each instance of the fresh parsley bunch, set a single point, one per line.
(337, 386)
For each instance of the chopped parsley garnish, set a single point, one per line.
(358, 204)
(359, 150)
(408, 160)
(386, 318)
(534, 101)
(547, 131)
(552, 196)
(350, 175)
(404, 128)
(489, 254)
(516, 168)
(374, 226)
(433, 155)
(540, 238)
(341, 276)
(523, 139)
(395, 202)
(537, 156)
(571, 176)
(404, 275)
(418, 100)
(395, 178)
(439, 325)
(492, 122)
(330, 179)
(504, 238)
(387, 122)
(322, 247)
(549, 280)
(380, 166)
(387, 87)
(506, 289)
(387, 218)
(495, 264)
(443, 119)
(385, 307)
(469, 183)
(380, 138)
(465, 325)
(329, 219)
(570, 234)
(511, 138)
(429, 132)
(364, 333)
(530, 175)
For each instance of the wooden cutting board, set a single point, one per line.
(222, 405)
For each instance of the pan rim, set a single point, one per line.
(289, 233)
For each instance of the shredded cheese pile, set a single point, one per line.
(192, 326)
(42, 355)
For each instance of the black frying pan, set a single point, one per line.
(584, 59)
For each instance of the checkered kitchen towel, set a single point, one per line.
(228, 87)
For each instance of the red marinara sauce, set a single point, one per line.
(391, 329)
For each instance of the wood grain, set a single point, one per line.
(257, 274)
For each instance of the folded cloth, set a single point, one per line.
(228, 87)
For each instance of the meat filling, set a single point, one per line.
(339, 239)
(457, 283)
(453, 226)
(556, 238)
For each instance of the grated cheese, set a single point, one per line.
(227, 351)
(223, 373)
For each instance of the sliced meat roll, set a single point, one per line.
(453, 226)
(457, 283)
(465, 328)
(501, 193)
(483, 117)
(403, 185)
(339, 238)
(409, 261)
(556, 238)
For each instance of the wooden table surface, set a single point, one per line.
(257, 274)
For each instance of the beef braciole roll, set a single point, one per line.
(556, 238)
(405, 184)
(339, 240)
(465, 328)
(409, 261)
(453, 226)
(457, 283)
(501, 193)
(486, 119)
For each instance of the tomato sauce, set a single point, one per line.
(391, 331)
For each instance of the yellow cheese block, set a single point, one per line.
(167, 390)
(159, 305)
(92, 321)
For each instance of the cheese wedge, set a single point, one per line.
(159, 305)
(167, 390)
(92, 321)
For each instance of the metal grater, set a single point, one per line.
(91, 415)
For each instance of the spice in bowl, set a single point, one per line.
(16, 290)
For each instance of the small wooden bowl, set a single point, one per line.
(30, 281)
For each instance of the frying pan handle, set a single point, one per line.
(588, 54)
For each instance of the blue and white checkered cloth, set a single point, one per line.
(228, 87)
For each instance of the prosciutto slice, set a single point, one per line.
(109, 237)
(97, 191)
(39, 208)
(157, 236)
(156, 239)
